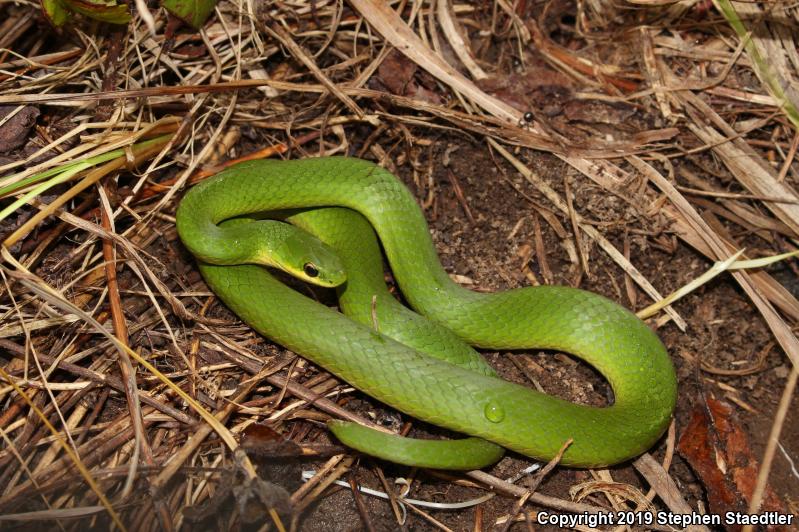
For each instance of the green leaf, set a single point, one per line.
(56, 12)
(102, 11)
(192, 12)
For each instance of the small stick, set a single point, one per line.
(459, 194)
(575, 226)
(359, 504)
(789, 158)
(771, 444)
(539, 477)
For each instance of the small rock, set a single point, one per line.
(15, 131)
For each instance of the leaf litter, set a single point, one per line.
(582, 144)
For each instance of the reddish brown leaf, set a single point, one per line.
(258, 433)
(718, 450)
(399, 75)
(192, 50)
(538, 87)
(396, 72)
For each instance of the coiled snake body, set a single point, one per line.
(425, 372)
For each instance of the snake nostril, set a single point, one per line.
(310, 270)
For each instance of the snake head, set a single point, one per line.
(309, 259)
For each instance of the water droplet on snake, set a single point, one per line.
(494, 412)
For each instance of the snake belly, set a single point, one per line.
(607, 336)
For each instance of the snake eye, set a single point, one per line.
(310, 270)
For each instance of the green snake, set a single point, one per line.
(420, 366)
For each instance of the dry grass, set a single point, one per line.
(109, 357)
